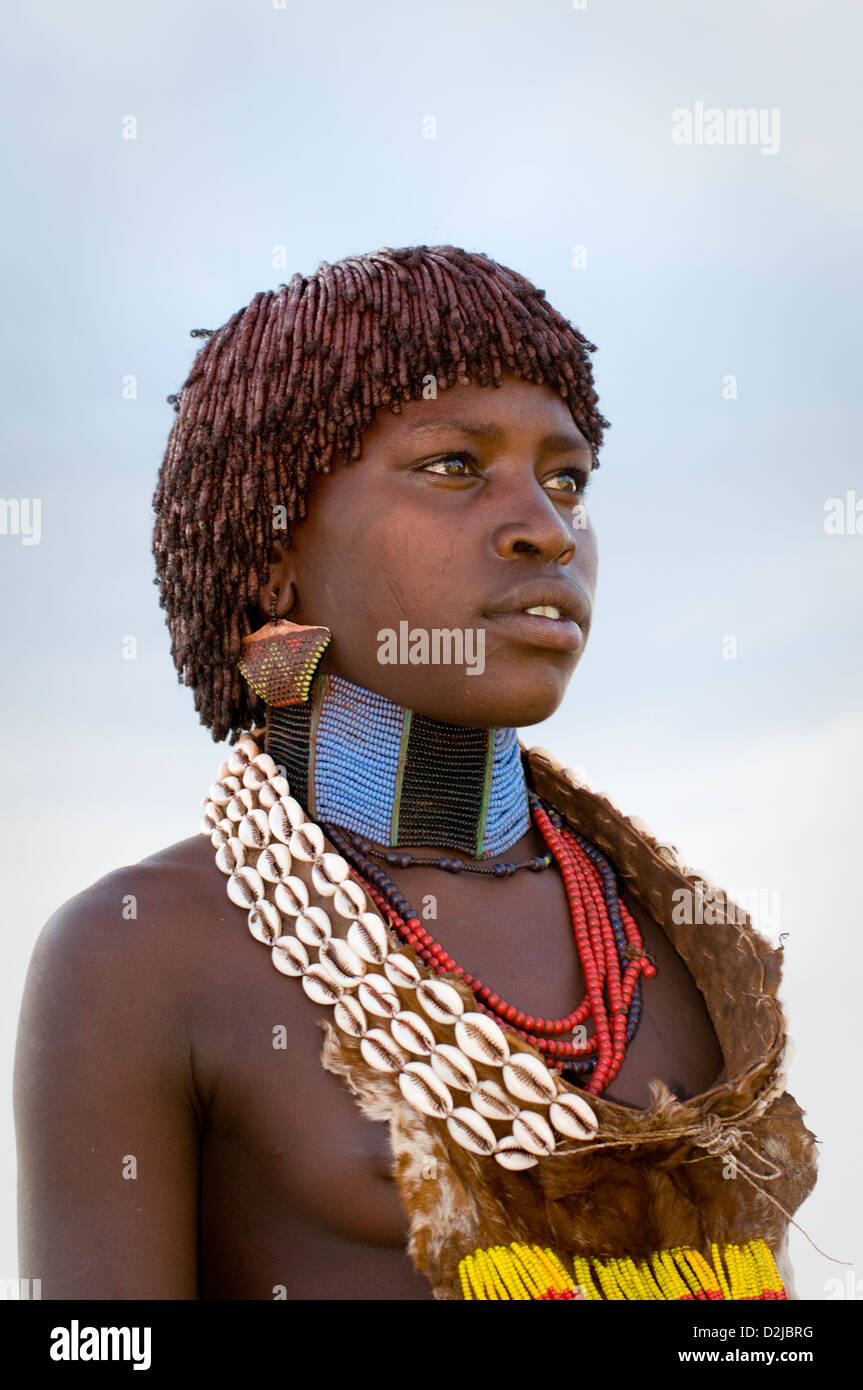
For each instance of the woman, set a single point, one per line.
(568, 1085)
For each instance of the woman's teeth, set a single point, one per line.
(544, 611)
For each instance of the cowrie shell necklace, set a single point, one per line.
(450, 1063)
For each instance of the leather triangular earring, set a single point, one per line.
(279, 660)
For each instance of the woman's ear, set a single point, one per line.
(280, 582)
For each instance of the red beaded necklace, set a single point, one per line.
(612, 999)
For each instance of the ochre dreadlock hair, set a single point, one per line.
(298, 374)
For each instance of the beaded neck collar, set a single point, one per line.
(366, 764)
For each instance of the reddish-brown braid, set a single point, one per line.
(298, 376)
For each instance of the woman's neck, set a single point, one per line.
(360, 761)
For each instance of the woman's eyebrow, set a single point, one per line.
(558, 441)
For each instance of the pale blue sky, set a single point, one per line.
(301, 128)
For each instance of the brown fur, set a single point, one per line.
(659, 1182)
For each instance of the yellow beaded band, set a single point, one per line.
(519, 1271)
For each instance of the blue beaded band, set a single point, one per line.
(359, 761)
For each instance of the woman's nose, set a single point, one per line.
(539, 527)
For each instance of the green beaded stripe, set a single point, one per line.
(318, 700)
(486, 794)
(400, 776)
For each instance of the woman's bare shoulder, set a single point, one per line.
(152, 891)
(139, 929)
(106, 1072)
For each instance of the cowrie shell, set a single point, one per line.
(369, 938)
(381, 1052)
(534, 1132)
(573, 1117)
(240, 805)
(377, 995)
(512, 1154)
(237, 762)
(231, 855)
(491, 1100)
(527, 1078)
(319, 987)
(265, 924)
(412, 1033)
(471, 1131)
(284, 818)
(349, 900)
(670, 853)
(479, 1036)
(292, 896)
(328, 872)
(260, 769)
(254, 778)
(307, 842)
(247, 745)
(341, 963)
(245, 887)
(350, 1016)
(212, 815)
(291, 957)
(424, 1090)
(401, 970)
(313, 926)
(222, 833)
(273, 791)
(440, 1001)
(222, 792)
(453, 1067)
(254, 829)
(274, 862)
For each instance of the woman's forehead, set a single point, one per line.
(482, 412)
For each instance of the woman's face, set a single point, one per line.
(462, 513)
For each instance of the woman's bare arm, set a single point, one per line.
(106, 1110)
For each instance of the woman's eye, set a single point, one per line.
(449, 467)
(569, 480)
(572, 481)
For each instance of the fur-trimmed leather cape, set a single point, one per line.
(719, 1167)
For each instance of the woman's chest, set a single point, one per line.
(297, 1184)
(298, 1199)
(518, 938)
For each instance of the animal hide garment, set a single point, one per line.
(649, 1180)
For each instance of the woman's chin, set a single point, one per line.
(491, 704)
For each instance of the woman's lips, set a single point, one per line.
(557, 634)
